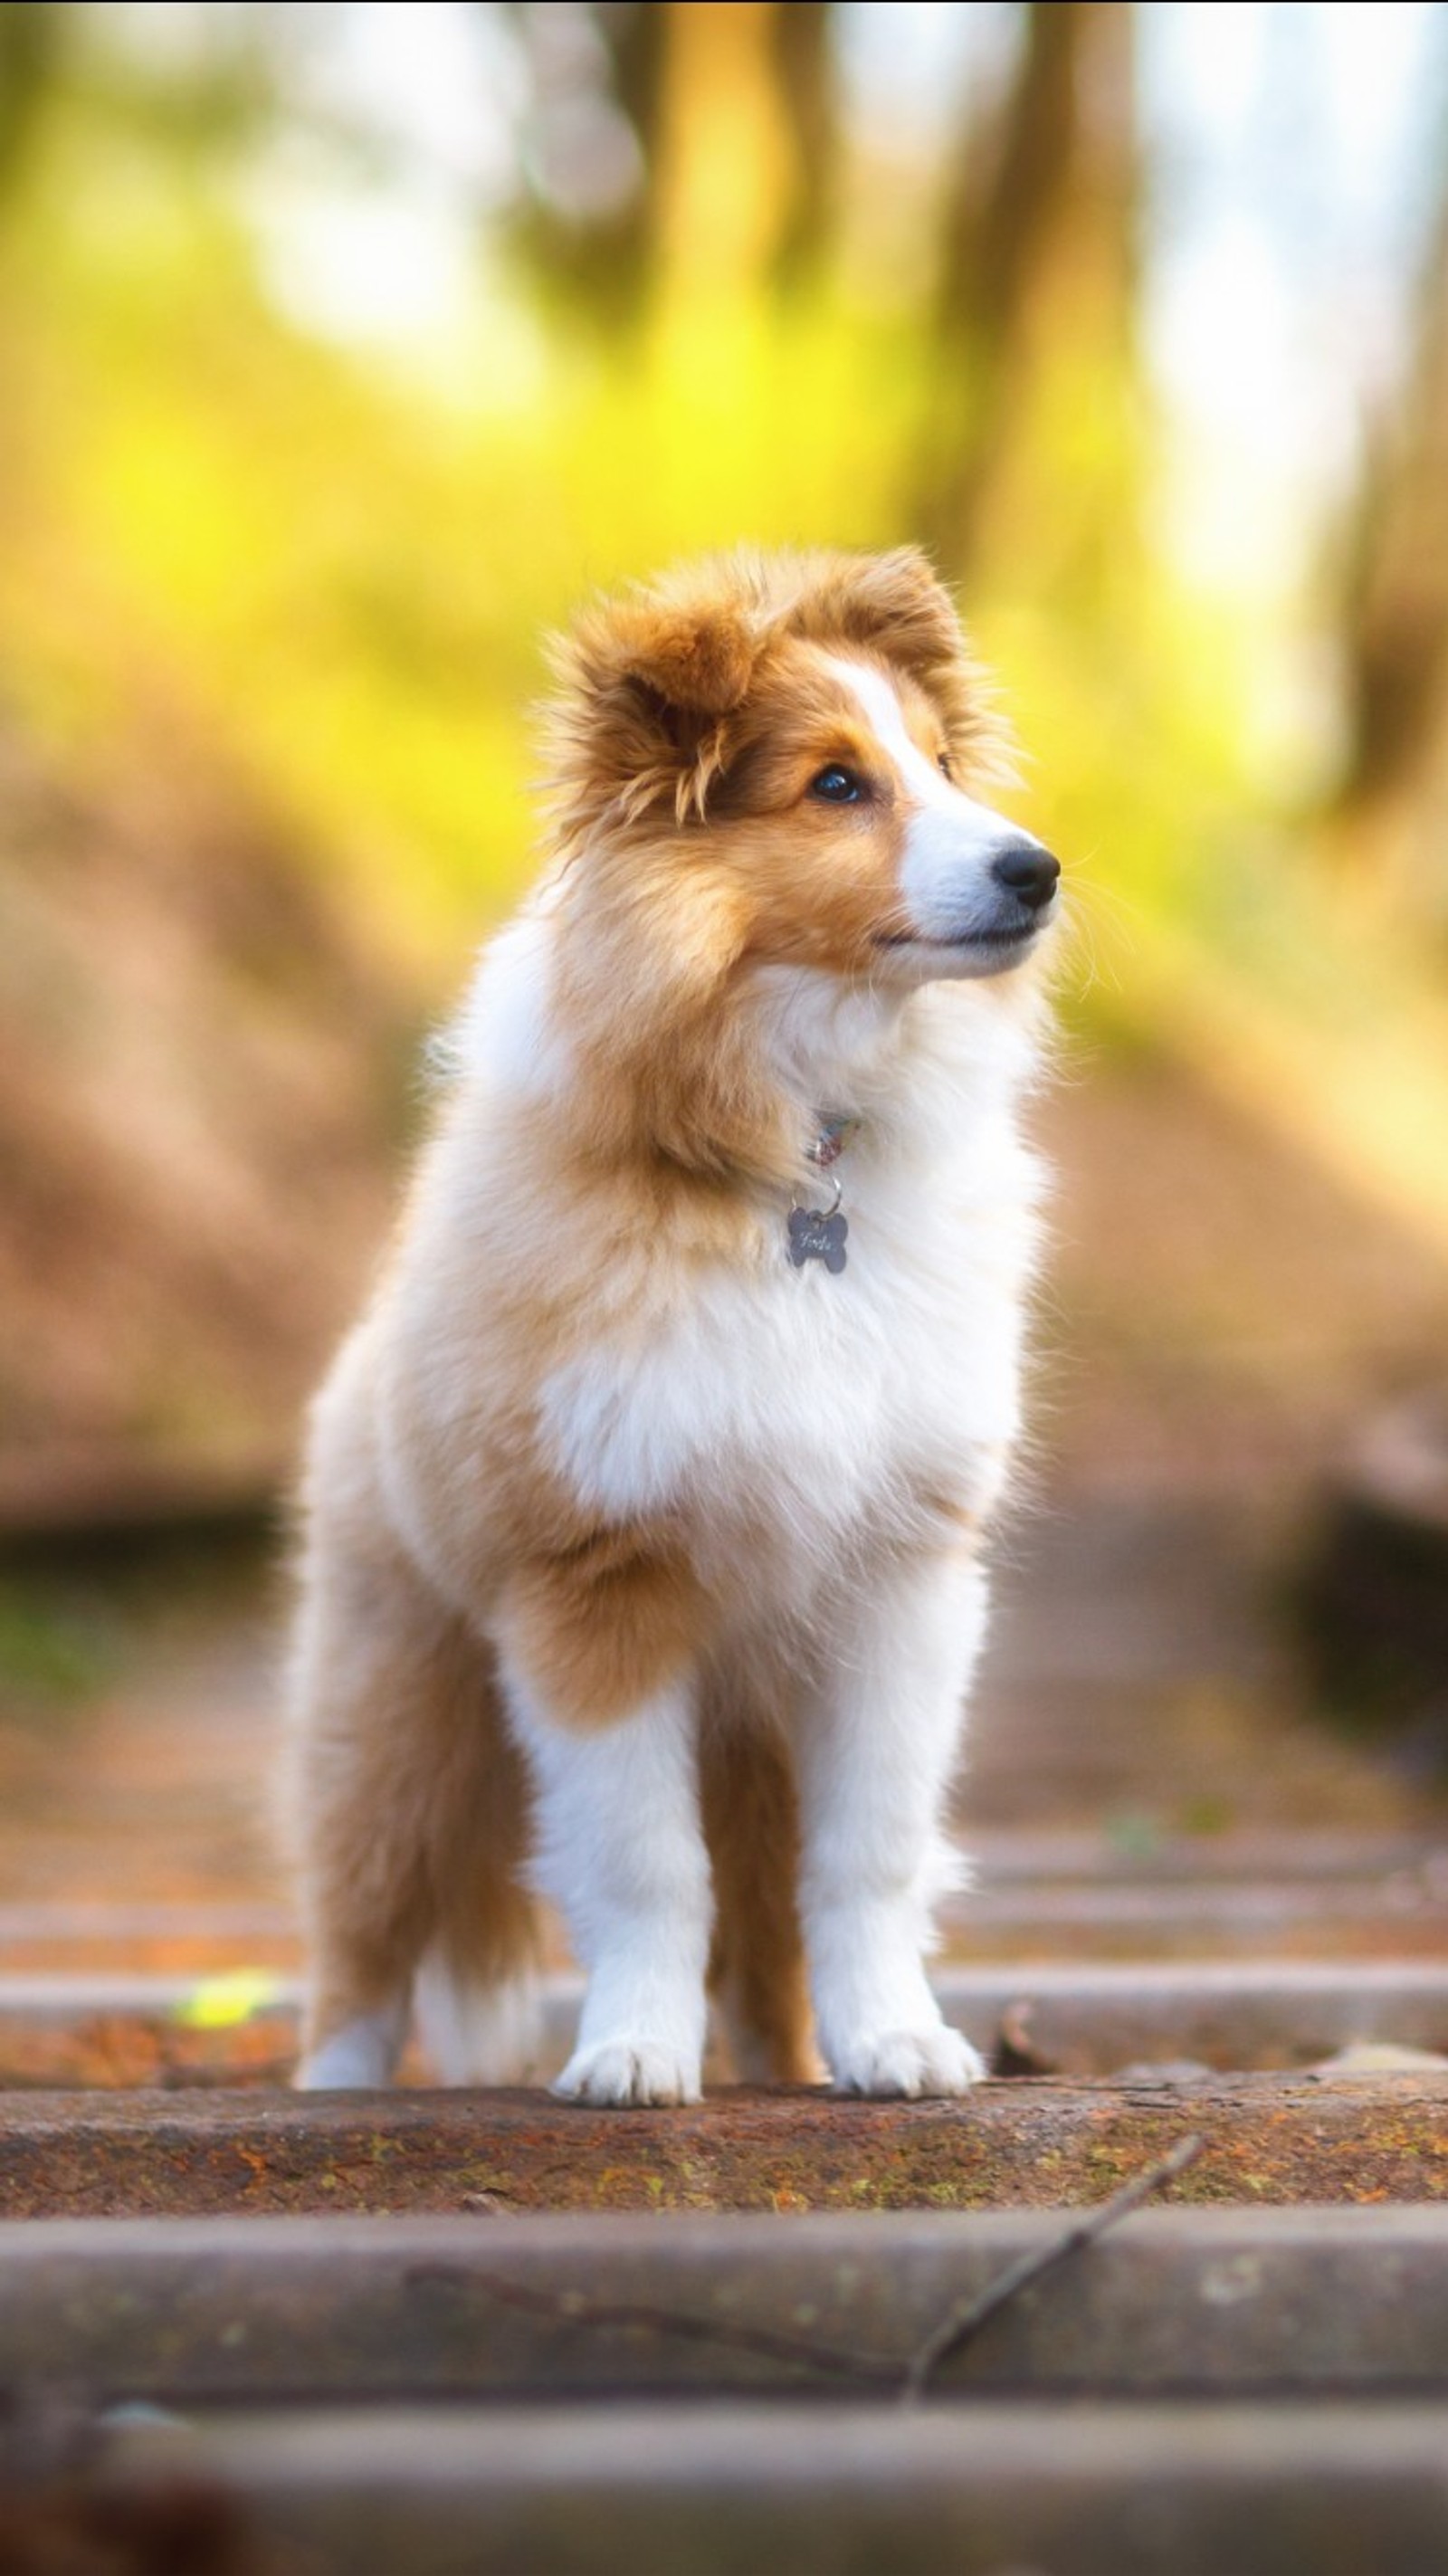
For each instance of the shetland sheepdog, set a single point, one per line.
(644, 1510)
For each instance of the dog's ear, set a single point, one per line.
(894, 604)
(696, 662)
(648, 686)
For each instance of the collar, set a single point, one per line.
(818, 1234)
(835, 1129)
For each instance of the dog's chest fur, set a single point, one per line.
(784, 1413)
(788, 1420)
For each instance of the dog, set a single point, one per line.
(643, 1513)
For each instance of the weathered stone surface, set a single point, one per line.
(1034, 2144)
(1231, 2014)
(1213, 2301)
(1258, 1896)
(1079, 2490)
(1072, 2020)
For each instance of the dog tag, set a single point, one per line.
(815, 1235)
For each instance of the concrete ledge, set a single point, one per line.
(206, 2313)
(728, 2491)
(1032, 2144)
(1072, 2020)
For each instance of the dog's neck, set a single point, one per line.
(733, 1082)
(723, 1066)
(826, 1040)
(840, 1052)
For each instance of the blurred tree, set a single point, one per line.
(591, 150)
(804, 52)
(675, 142)
(1038, 259)
(32, 34)
(1388, 810)
(726, 158)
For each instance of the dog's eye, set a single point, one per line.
(837, 786)
(942, 763)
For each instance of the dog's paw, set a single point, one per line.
(358, 2058)
(909, 2063)
(630, 2071)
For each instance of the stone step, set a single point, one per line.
(240, 2026)
(1134, 1850)
(1152, 1918)
(181, 1940)
(1034, 1895)
(1077, 2489)
(200, 2314)
(1023, 2143)
(1260, 1895)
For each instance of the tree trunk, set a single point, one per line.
(1039, 264)
(732, 111)
(726, 163)
(605, 263)
(804, 63)
(1397, 618)
(31, 35)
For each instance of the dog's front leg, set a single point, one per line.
(620, 1848)
(876, 1756)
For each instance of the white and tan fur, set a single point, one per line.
(642, 1567)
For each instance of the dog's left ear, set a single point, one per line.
(896, 606)
(894, 603)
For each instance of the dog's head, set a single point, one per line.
(800, 735)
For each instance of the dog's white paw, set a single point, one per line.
(912, 2063)
(630, 2071)
(358, 2058)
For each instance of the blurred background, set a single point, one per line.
(342, 347)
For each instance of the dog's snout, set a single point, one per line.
(1027, 871)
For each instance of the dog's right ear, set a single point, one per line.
(648, 686)
(695, 661)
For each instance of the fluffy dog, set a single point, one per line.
(644, 1506)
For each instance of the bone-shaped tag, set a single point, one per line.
(814, 1236)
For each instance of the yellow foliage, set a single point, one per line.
(220, 2003)
(340, 573)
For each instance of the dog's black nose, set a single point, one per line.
(1028, 871)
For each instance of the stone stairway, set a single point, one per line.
(243, 2331)
(1169, 2292)
(1204, 2389)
